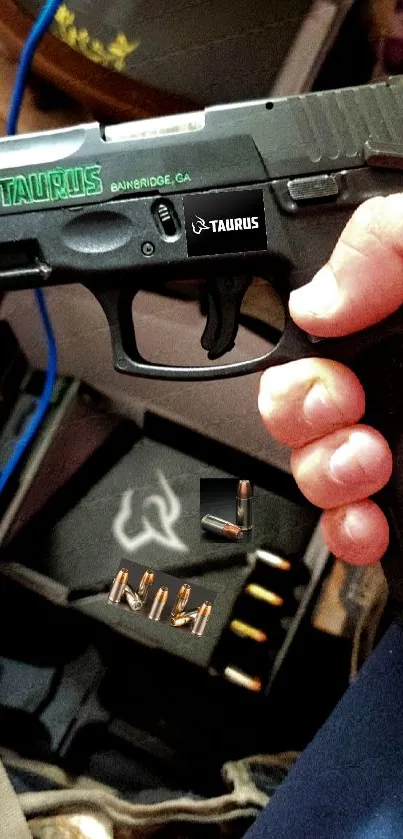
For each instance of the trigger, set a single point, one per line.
(225, 295)
(208, 337)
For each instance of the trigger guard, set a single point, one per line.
(293, 344)
(117, 307)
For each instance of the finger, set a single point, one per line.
(309, 398)
(358, 533)
(363, 280)
(343, 467)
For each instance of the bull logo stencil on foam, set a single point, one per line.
(169, 509)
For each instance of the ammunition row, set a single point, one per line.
(249, 641)
(196, 618)
(121, 589)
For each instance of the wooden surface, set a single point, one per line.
(210, 51)
(109, 95)
(35, 115)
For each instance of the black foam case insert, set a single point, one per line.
(72, 540)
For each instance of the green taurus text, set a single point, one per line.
(52, 185)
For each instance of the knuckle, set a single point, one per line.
(370, 215)
(369, 235)
(375, 218)
(367, 225)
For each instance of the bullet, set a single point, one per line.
(145, 583)
(224, 528)
(247, 631)
(238, 677)
(273, 560)
(184, 618)
(203, 614)
(118, 586)
(244, 505)
(132, 599)
(182, 599)
(158, 604)
(260, 593)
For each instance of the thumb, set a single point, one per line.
(363, 281)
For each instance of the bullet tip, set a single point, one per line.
(244, 489)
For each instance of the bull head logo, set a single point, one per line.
(169, 508)
(199, 225)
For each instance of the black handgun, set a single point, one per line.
(257, 189)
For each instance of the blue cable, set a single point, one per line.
(38, 30)
(36, 34)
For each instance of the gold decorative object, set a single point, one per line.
(113, 56)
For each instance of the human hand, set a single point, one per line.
(314, 405)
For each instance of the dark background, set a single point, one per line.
(218, 498)
(198, 594)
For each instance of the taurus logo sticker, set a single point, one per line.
(199, 225)
(169, 509)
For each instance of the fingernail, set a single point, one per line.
(319, 406)
(356, 524)
(319, 297)
(266, 404)
(356, 460)
(272, 392)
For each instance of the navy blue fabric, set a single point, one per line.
(348, 783)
